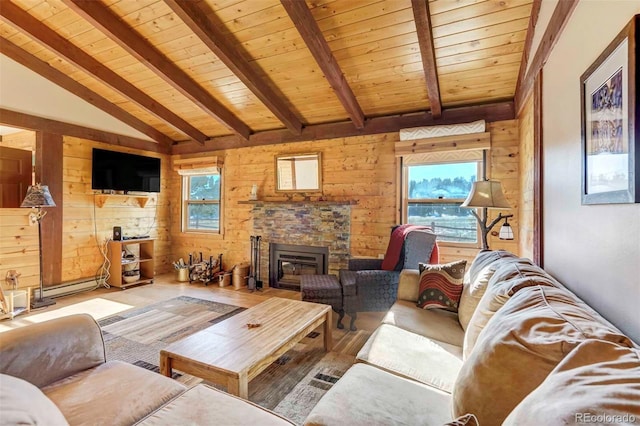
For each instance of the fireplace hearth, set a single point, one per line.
(287, 263)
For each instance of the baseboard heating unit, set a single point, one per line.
(69, 288)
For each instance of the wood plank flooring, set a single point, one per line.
(103, 302)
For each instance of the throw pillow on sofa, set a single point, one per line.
(598, 382)
(525, 339)
(441, 285)
(21, 403)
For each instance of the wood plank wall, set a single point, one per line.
(19, 240)
(362, 169)
(87, 226)
(526, 178)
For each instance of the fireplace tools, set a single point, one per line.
(254, 282)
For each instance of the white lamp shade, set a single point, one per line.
(486, 193)
(506, 232)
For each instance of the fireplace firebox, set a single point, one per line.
(288, 262)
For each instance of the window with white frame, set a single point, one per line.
(202, 202)
(433, 192)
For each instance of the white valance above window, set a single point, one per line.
(198, 165)
(467, 142)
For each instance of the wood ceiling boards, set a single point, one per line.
(230, 73)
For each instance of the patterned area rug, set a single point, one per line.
(291, 386)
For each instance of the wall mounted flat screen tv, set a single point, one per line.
(119, 171)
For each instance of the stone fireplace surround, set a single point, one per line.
(311, 223)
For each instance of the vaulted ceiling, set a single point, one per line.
(224, 73)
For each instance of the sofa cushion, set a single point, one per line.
(441, 285)
(203, 404)
(436, 324)
(21, 403)
(368, 396)
(476, 281)
(115, 393)
(505, 282)
(410, 355)
(534, 330)
(597, 379)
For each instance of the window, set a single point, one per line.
(201, 202)
(432, 197)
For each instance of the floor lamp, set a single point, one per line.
(487, 194)
(38, 196)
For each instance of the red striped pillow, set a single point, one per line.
(441, 285)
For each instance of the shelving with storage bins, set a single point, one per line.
(143, 250)
(101, 199)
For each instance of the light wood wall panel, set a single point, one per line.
(526, 119)
(362, 169)
(87, 226)
(84, 226)
(504, 166)
(19, 240)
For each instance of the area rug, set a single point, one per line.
(291, 386)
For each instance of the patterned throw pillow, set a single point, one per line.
(441, 285)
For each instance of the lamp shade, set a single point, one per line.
(486, 193)
(38, 196)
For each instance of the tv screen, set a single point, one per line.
(119, 171)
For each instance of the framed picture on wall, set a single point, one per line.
(610, 136)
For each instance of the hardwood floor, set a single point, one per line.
(103, 302)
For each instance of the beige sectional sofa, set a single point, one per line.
(55, 373)
(522, 349)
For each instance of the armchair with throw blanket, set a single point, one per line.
(375, 281)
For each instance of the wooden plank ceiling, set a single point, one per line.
(203, 71)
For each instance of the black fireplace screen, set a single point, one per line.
(289, 262)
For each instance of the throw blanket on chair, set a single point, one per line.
(394, 250)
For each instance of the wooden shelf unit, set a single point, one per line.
(143, 249)
(101, 199)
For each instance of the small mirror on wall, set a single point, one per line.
(299, 172)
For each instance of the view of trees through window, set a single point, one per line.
(435, 192)
(203, 205)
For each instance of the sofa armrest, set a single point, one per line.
(409, 285)
(362, 264)
(46, 352)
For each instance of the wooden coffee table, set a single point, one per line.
(232, 354)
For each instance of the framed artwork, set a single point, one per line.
(610, 136)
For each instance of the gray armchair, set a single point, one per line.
(375, 289)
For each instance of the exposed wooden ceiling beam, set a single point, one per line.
(22, 20)
(531, 28)
(312, 36)
(428, 53)
(489, 112)
(124, 36)
(61, 79)
(211, 35)
(558, 21)
(32, 122)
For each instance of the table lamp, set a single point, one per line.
(487, 194)
(38, 196)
